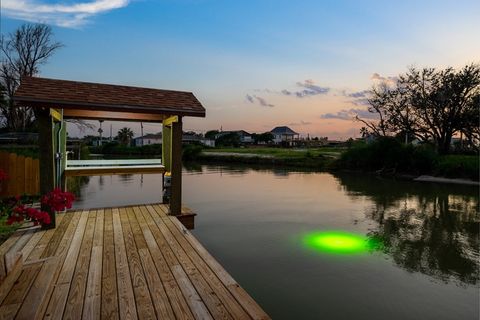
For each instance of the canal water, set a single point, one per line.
(254, 221)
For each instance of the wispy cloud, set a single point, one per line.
(61, 14)
(391, 81)
(301, 123)
(349, 114)
(310, 89)
(260, 100)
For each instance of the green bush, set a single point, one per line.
(389, 154)
(461, 166)
(191, 151)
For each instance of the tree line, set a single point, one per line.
(430, 105)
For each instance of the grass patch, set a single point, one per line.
(282, 153)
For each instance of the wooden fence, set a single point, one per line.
(23, 175)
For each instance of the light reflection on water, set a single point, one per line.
(252, 221)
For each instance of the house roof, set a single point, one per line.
(43, 92)
(282, 130)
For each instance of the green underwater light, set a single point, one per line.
(338, 242)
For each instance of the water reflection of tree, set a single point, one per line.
(432, 229)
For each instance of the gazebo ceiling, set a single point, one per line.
(106, 101)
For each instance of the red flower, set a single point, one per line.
(58, 200)
(3, 175)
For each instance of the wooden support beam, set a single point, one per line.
(112, 115)
(176, 168)
(46, 154)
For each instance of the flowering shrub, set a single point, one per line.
(20, 208)
(3, 175)
(21, 213)
(58, 200)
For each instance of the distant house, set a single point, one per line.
(245, 137)
(192, 137)
(151, 138)
(284, 135)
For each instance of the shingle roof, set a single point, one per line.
(282, 130)
(43, 92)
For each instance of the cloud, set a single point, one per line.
(68, 15)
(349, 114)
(357, 94)
(260, 100)
(301, 123)
(391, 81)
(311, 89)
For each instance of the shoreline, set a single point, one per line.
(325, 164)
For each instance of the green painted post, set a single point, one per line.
(167, 147)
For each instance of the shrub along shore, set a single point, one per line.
(385, 156)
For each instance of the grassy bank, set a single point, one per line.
(319, 158)
(386, 156)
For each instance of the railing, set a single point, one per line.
(23, 175)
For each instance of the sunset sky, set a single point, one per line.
(254, 64)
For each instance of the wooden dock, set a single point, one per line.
(118, 263)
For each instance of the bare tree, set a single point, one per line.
(432, 105)
(23, 52)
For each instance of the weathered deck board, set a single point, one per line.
(120, 263)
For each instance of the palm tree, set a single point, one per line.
(125, 135)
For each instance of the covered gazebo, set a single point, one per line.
(54, 101)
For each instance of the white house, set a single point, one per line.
(284, 135)
(151, 138)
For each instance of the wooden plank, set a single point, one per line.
(32, 306)
(109, 301)
(205, 290)
(9, 311)
(58, 300)
(15, 251)
(58, 235)
(39, 296)
(186, 283)
(230, 303)
(177, 300)
(247, 302)
(36, 168)
(27, 249)
(74, 305)
(110, 115)
(12, 174)
(42, 244)
(155, 286)
(4, 247)
(126, 297)
(20, 175)
(7, 284)
(20, 288)
(28, 177)
(145, 307)
(92, 303)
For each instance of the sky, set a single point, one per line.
(253, 64)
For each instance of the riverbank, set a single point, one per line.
(460, 169)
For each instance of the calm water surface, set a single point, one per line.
(253, 221)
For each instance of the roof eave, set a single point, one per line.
(38, 103)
